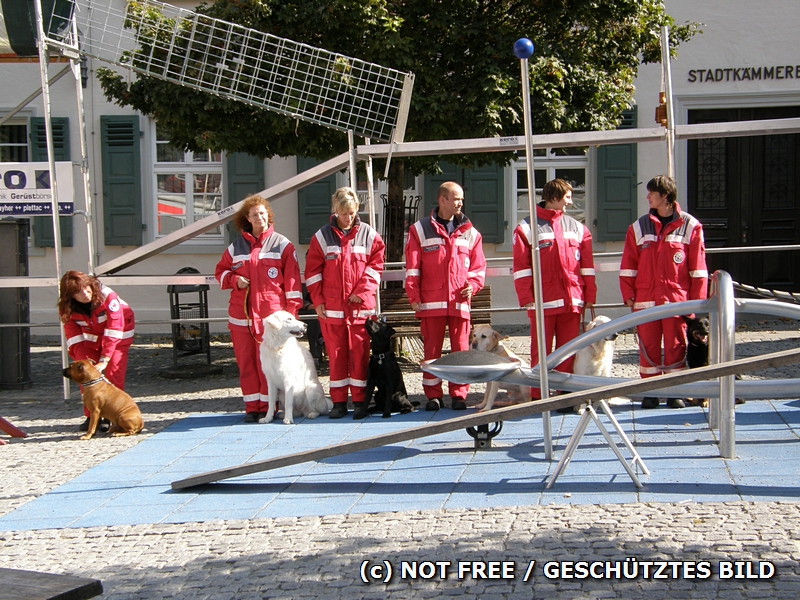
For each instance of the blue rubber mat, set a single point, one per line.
(443, 471)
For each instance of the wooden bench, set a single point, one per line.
(394, 301)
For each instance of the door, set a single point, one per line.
(746, 192)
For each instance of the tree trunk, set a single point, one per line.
(395, 216)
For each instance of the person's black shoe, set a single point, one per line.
(104, 425)
(261, 415)
(338, 411)
(251, 417)
(649, 402)
(359, 410)
(676, 403)
(84, 426)
(458, 404)
(433, 404)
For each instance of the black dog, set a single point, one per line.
(384, 377)
(697, 350)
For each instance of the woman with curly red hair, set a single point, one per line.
(98, 325)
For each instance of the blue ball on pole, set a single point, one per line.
(523, 48)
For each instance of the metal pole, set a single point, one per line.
(75, 63)
(667, 70)
(727, 348)
(43, 64)
(523, 49)
(372, 221)
(352, 148)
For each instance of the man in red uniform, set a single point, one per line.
(343, 270)
(664, 260)
(445, 267)
(568, 277)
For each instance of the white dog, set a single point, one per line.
(596, 359)
(289, 368)
(487, 339)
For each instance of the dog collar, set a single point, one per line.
(383, 355)
(94, 381)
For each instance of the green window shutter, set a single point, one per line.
(617, 182)
(43, 226)
(313, 201)
(483, 196)
(122, 184)
(244, 176)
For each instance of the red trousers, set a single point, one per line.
(673, 333)
(251, 376)
(116, 368)
(432, 330)
(563, 327)
(347, 345)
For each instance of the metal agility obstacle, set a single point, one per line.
(722, 308)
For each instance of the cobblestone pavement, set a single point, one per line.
(323, 557)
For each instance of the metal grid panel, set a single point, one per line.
(231, 61)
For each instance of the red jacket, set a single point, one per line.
(339, 265)
(109, 326)
(270, 263)
(660, 266)
(438, 266)
(567, 264)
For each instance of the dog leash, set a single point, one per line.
(247, 313)
(583, 317)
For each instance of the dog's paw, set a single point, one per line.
(312, 415)
(85, 437)
(267, 419)
(288, 421)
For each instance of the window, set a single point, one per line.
(569, 164)
(188, 186)
(14, 143)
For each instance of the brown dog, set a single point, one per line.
(104, 400)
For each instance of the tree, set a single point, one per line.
(467, 79)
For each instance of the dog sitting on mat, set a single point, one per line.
(697, 329)
(485, 338)
(384, 377)
(597, 359)
(289, 368)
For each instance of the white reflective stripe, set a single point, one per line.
(648, 238)
(571, 235)
(89, 337)
(241, 257)
(523, 273)
(413, 273)
(102, 318)
(462, 306)
(333, 250)
(334, 314)
(481, 274)
(240, 322)
(373, 273)
(358, 249)
(628, 272)
(251, 397)
(270, 255)
(649, 370)
(366, 313)
(577, 302)
(643, 305)
(547, 235)
(313, 279)
(462, 242)
(432, 305)
(587, 271)
(76, 339)
(114, 333)
(222, 276)
(432, 242)
(298, 295)
(358, 382)
(82, 323)
(553, 304)
(702, 274)
(431, 381)
(674, 370)
(338, 383)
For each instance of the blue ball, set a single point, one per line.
(523, 48)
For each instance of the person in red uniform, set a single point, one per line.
(260, 268)
(445, 267)
(98, 325)
(567, 267)
(344, 263)
(664, 260)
